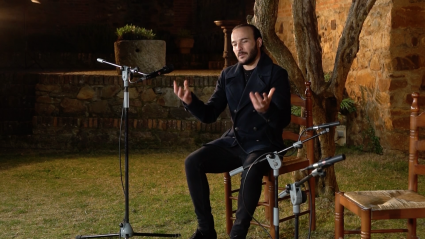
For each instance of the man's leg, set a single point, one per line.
(249, 194)
(208, 159)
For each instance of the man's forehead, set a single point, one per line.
(242, 33)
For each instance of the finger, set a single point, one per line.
(271, 93)
(186, 85)
(176, 89)
(260, 98)
(254, 100)
(186, 94)
(265, 98)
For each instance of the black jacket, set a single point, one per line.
(251, 130)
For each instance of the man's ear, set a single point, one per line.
(259, 42)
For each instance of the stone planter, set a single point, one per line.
(148, 55)
(185, 44)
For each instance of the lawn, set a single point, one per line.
(62, 195)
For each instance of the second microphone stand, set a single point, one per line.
(126, 231)
(275, 163)
(297, 196)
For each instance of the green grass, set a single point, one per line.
(61, 195)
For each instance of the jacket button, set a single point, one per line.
(258, 140)
(236, 128)
(255, 128)
(253, 111)
(235, 111)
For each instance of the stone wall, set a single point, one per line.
(81, 111)
(388, 68)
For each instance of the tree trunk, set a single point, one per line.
(327, 96)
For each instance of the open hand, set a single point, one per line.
(261, 102)
(184, 93)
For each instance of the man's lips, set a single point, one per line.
(242, 54)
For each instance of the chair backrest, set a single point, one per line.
(306, 120)
(417, 120)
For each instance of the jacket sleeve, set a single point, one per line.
(210, 111)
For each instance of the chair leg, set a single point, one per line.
(271, 198)
(339, 216)
(366, 224)
(411, 228)
(228, 202)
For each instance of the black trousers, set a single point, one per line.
(214, 159)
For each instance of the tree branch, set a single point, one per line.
(348, 45)
(307, 42)
(265, 15)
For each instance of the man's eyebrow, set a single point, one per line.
(241, 39)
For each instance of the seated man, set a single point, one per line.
(258, 95)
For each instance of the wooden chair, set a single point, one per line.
(289, 164)
(388, 204)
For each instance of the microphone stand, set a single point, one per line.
(297, 196)
(126, 231)
(275, 163)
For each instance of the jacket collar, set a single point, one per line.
(255, 84)
(263, 67)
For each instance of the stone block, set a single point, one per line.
(366, 78)
(374, 63)
(72, 106)
(408, 17)
(384, 84)
(86, 93)
(148, 95)
(110, 91)
(409, 62)
(397, 84)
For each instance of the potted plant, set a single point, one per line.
(184, 41)
(136, 46)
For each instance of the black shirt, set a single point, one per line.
(247, 74)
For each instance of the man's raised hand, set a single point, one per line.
(184, 93)
(261, 103)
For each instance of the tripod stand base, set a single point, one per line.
(134, 234)
(127, 232)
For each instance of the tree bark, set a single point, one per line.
(327, 96)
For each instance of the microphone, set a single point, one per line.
(164, 70)
(326, 125)
(100, 60)
(326, 162)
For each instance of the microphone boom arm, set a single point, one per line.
(297, 144)
(134, 70)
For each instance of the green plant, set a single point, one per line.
(347, 106)
(131, 32)
(370, 136)
(327, 76)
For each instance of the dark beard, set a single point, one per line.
(252, 55)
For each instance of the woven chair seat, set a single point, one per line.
(387, 199)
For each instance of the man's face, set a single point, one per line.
(245, 47)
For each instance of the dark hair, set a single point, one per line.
(257, 33)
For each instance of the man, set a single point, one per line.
(258, 95)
